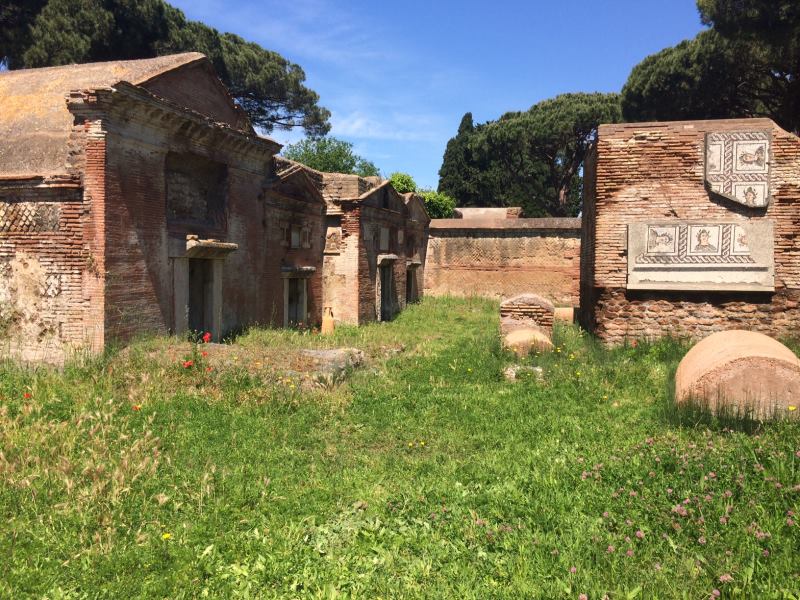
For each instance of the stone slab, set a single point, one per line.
(701, 256)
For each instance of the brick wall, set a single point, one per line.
(529, 307)
(43, 266)
(649, 171)
(500, 258)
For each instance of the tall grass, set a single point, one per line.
(425, 475)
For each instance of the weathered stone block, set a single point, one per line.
(740, 373)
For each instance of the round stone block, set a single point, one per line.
(524, 340)
(740, 373)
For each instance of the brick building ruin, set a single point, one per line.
(375, 246)
(690, 228)
(136, 198)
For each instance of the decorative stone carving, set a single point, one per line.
(737, 166)
(699, 255)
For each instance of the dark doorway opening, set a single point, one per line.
(411, 281)
(201, 285)
(295, 301)
(387, 300)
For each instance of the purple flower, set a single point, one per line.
(640, 534)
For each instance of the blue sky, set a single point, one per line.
(398, 76)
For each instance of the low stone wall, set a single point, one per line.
(501, 258)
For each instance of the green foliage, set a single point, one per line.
(403, 182)
(330, 155)
(438, 204)
(269, 88)
(748, 64)
(426, 475)
(531, 159)
(707, 77)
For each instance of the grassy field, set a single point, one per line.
(425, 475)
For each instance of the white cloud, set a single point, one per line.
(389, 126)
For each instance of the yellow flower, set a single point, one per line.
(410, 444)
(605, 397)
(577, 373)
(792, 408)
(166, 536)
(469, 370)
(422, 443)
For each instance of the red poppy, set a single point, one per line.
(26, 395)
(207, 337)
(137, 407)
(209, 369)
(188, 364)
(204, 354)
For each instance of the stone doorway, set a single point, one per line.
(411, 284)
(386, 296)
(201, 295)
(295, 301)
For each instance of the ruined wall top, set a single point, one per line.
(36, 123)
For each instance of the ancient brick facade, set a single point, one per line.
(649, 172)
(503, 257)
(374, 255)
(135, 198)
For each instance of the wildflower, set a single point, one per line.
(422, 443)
(573, 570)
(27, 395)
(792, 407)
(701, 540)
(137, 407)
(789, 521)
(610, 549)
(657, 566)
(209, 369)
(410, 444)
(723, 520)
(605, 515)
(166, 536)
(726, 578)
(469, 370)
(204, 354)
(629, 552)
(206, 337)
(188, 363)
(640, 534)
(577, 373)
(765, 552)
(583, 597)
(715, 593)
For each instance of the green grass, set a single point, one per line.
(425, 475)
